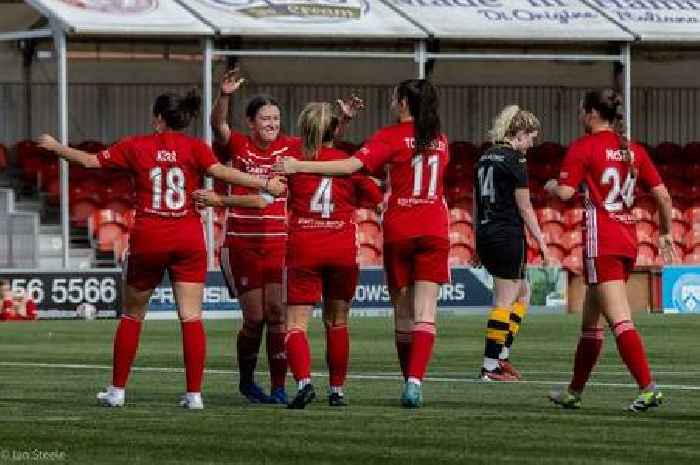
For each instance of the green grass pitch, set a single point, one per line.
(51, 370)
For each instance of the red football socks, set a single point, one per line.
(631, 349)
(403, 349)
(276, 356)
(126, 343)
(587, 353)
(423, 339)
(194, 349)
(248, 346)
(298, 354)
(337, 354)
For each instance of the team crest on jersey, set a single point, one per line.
(686, 293)
(306, 11)
(115, 6)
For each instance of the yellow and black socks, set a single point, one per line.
(497, 330)
(517, 314)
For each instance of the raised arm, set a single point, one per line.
(88, 160)
(522, 200)
(349, 108)
(230, 83)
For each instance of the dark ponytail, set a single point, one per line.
(177, 111)
(422, 100)
(608, 104)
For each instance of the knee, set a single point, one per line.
(253, 326)
(275, 313)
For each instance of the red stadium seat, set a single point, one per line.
(460, 215)
(646, 254)
(549, 214)
(572, 239)
(691, 152)
(3, 157)
(642, 214)
(81, 210)
(678, 230)
(646, 231)
(692, 217)
(573, 217)
(461, 233)
(368, 229)
(692, 259)
(692, 239)
(668, 151)
(553, 232)
(369, 256)
(460, 255)
(557, 252)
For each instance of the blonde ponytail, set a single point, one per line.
(511, 120)
(317, 123)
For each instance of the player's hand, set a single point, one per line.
(285, 165)
(47, 142)
(351, 106)
(666, 248)
(276, 186)
(550, 186)
(204, 198)
(231, 82)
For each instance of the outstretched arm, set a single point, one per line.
(564, 193)
(204, 198)
(88, 160)
(344, 167)
(275, 186)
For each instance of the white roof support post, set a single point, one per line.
(627, 63)
(207, 133)
(62, 85)
(421, 58)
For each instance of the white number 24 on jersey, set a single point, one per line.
(618, 195)
(321, 201)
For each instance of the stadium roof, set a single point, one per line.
(655, 20)
(513, 20)
(289, 18)
(134, 17)
(584, 21)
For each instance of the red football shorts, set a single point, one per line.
(317, 270)
(248, 268)
(160, 244)
(422, 258)
(607, 268)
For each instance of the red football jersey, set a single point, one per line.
(609, 184)
(167, 167)
(256, 226)
(416, 204)
(325, 204)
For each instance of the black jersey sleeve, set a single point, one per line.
(517, 166)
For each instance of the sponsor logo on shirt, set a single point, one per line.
(619, 155)
(114, 6)
(304, 11)
(169, 156)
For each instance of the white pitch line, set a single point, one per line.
(360, 376)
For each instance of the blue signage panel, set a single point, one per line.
(681, 289)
